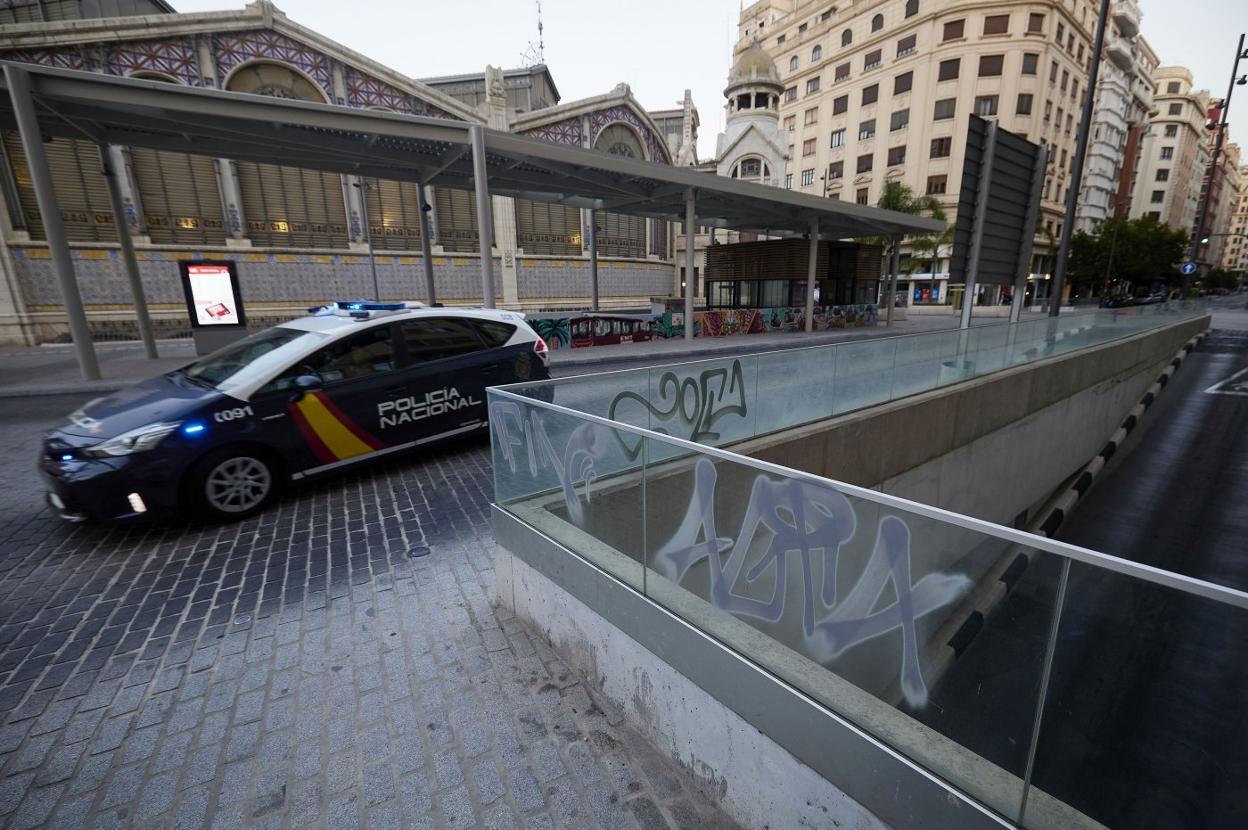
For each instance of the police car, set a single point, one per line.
(350, 382)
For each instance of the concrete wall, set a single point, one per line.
(991, 447)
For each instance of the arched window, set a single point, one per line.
(912, 8)
(816, 54)
(276, 81)
(877, 23)
(847, 37)
(793, 64)
(619, 140)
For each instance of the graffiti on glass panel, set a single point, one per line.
(796, 524)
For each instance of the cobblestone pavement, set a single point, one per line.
(296, 669)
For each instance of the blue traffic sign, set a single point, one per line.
(1187, 268)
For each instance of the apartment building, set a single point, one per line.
(1235, 254)
(1174, 153)
(882, 90)
(1121, 109)
(1223, 195)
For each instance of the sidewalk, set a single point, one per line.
(53, 370)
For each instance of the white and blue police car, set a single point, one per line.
(347, 383)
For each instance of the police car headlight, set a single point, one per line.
(136, 440)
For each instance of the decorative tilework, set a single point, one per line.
(234, 49)
(62, 58)
(567, 131)
(599, 120)
(175, 57)
(364, 91)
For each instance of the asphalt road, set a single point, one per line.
(1146, 723)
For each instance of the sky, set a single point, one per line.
(662, 47)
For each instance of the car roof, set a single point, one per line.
(335, 324)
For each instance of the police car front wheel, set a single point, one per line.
(231, 484)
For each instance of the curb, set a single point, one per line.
(1002, 577)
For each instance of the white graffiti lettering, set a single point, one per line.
(431, 404)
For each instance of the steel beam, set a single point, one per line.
(127, 253)
(484, 213)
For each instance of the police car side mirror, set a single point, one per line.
(304, 384)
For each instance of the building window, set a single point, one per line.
(912, 8)
(808, 147)
(1030, 62)
(1035, 23)
(793, 63)
(1163, 175)
(877, 23)
(899, 120)
(1175, 109)
(903, 83)
(896, 156)
(780, 40)
(945, 108)
(811, 116)
(948, 70)
(1074, 89)
(1079, 54)
(873, 59)
(954, 29)
(986, 105)
(801, 30)
(866, 129)
(1061, 32)
(1173, 88)
(1063, 158)
(1172, 130)
(840, 104)
(1070, 122)
(751, 168)
(847, 37)
(1167, 153)
(790, 95)
(838, 138)
(942, 147)
(865, 163)
(789, 123)
(1048, 110)
(1053, 72)
(816, 54)
(836, 170)
(906, 45)
(936, 185)
(991, 65)
(823, 18)
(997, 24)
(812, 85)
(1159, 196)
(1154, 215)
(1065, 80)
(842, 72)
(870, 94)
(1024, 104)
(860, 197)
(788, 181)
(808, 177)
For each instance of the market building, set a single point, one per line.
(301, 236)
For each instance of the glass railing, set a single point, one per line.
(1020, 670)
(724, 400)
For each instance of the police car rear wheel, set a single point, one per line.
(233, 484)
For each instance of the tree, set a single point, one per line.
(1220, 278)
(1138, 251)
(901, 198)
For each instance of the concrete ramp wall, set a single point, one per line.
(992, 447)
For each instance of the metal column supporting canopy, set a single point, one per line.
(434, 152)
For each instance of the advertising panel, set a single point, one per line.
(212, 296)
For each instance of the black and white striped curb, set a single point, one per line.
(1002, 577)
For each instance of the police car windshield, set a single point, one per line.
(252, 358)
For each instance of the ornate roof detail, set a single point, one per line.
(172, 56)
(601, 119)
(237, 48)
(567, 131)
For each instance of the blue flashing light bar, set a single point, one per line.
(192, 429)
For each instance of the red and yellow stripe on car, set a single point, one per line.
(329, 432)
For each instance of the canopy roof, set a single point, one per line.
(432, 151)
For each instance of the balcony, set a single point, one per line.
(1127, 17)
(1118, 50)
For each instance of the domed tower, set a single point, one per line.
(750, 147)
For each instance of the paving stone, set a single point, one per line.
(295, 669)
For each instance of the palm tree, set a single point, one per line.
(901, 198)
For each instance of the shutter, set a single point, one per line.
(394, 215)
(290, 207)
(457, 219)
(658, 238)
(546, 228)
(79, 184)
(622, 236)
(179, 196)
